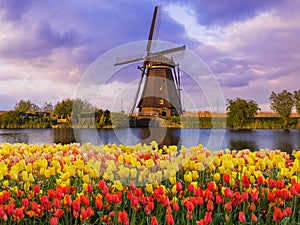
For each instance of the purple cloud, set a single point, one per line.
(14, 9)
(43, 40)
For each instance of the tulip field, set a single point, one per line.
(145, 184)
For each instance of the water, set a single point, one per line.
(213, 139)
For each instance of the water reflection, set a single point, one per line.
(14, 136)
(242, 144)
(63, 136)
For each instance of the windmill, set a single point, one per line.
(161, 92)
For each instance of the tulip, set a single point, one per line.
(254, 218)
(53, 221)
(277, 216)
(154, 220)
(242, 217)
(210, 206)
(169, 219)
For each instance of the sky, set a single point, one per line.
(251, 47)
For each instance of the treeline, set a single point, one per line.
(68, 113)
(241, 114)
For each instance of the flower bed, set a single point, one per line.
(142, 184)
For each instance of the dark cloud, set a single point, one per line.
(43, 40)
(14, 9)
(212, 12)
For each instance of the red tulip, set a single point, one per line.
(259, 180)
(208, 217)
(226, 178)
(67, 200)
(272, 183)
(189, 215)
(252, 207)
(33, 206)
(277, 216)
(219, 199)
(85, 200)
(254, 196)
(36, 189)
(59, 213)
(242, 217)
(211, 186)
(154, 220)
(149, 207)
(169, 219)
(228, 206)
(90, 188)
(271, 196)
(287, 211)
(189, 206)
(210, 206)
(246, 182)
(169, 210)
(254, 218)
(178, 186)
(76, 205)
(245, 196)
(25, 202)
(51, 193)
(20, 213)
(123, 218)
(53, 221)
(191, 188)
(280, 184)
(175, 206)
(201, 222)
(83, 214)
(98, 202)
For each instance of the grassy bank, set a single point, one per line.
(222, 122)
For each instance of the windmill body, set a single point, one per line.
(160, 95)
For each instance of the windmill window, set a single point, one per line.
(161, 87)
(161, 102)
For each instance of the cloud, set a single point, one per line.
(14, 9)
(41, 42)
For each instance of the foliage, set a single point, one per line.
(297, 100)
(26, 106)
(110, 184)
(48, 106)
(282, 103)
(64, 108)
(240, 111)
(119, 120)
(85, 115)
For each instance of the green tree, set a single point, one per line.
(48, 106)
(240, 111)
(64, 108)
(297, 104)
(282, 103)
(26, 106)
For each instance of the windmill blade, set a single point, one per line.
(169, 51)
(128, 59)
(160, 56)
(139, 87)
(154, 28)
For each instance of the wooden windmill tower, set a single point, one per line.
(161, 92)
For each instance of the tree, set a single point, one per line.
(48, 106)
(240, 111)
(282, 103)
(297, 104)
(26, 106)
(64, 108)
